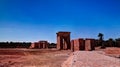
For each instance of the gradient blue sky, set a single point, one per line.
(34, 20)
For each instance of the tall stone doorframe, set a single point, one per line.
(63, 40)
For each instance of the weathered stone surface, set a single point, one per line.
(72, 45)
(82, 44)
(44, 44)
(78, 44)
(40, 45)
(63, 40)
(89, 44)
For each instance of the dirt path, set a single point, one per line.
(91, 59)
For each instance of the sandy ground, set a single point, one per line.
(110, 51)
(32, 57)
(108, 57)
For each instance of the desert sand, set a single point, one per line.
(109, 57)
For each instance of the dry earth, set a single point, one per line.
(108, 57)
(32, 57)
(110, 51)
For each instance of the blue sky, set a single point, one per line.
(34, 20)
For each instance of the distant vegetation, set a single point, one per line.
(21, 45)
(108, 43)
(52, 45)
(15, 44)
(100, 35)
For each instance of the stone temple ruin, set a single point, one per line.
(77, 44)
(89, 44)
(81, 44)
(64, 43)
(40, 45)
(63, 40)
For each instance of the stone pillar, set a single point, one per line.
(82, 44)
(62, 44)
(58, 42)
(72, 45)
(89, 44)
(76, 45)
(93, 44)
(38, 45)
(68, 42)
(41, 45)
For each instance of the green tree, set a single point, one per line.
(110, 42)
(100, 35)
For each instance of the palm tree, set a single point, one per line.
(100, 35)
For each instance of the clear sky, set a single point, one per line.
(34, 20)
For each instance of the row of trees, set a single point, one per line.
(108, 43)
(52, 45)
(15, 44)
(21, 45)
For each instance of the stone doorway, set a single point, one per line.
(63, 40)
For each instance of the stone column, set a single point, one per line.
(58, 42)
(93, 44)
(76, 45)
(39, 45)
(72, 45)
(68, 42)
(82, 44)
(89, 44)
(44, 45)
